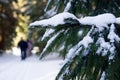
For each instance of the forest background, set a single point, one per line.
(15, 17)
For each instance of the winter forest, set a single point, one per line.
(84, 33)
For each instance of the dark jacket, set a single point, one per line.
(23, 45)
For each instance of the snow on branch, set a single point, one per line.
(112, 35)
(49, 42)
(106, 20)
(118, 20)
(55, 20)
(47, 33)
(68, 6)
(99, 21)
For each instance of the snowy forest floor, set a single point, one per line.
(12, 68)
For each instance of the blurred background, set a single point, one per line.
(15, 17)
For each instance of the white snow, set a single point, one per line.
(100, 20)
(103, 76)
(12, 68)
(112, 35)
(47, 33)
(68, 6)
(75, 50)
(86, 41)
(50, 41)
(104, 46)
(112, 51)
(16, 51)
(47, 5)
(118, 20)
(55, 20)
(51, 12)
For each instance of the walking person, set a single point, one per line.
(22, 44)
(30, 46)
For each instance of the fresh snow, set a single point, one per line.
(101, 22)
(47, 5)
(112, 35)
(103, 76)
(118, 20)
(86, 41)
(51, 12)
(75, 49)
(54, 21)
(12, 68)
(47, 33)
(67, 8)
(50, 41)
(104, 46)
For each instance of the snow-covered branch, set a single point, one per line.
(67, 18)
(101, 40)
(55, 20)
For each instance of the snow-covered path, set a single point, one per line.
(12, 68)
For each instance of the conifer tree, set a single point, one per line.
(90, 45)
(7, 24)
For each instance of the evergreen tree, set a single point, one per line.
(90, 45)
(7, 24)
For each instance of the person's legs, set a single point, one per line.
(23, 54)
(27, 52)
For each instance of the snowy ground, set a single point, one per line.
(12, 68)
